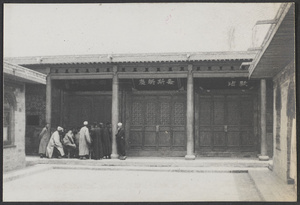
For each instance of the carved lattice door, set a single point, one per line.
(157, 123)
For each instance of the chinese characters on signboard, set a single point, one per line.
(156, 83)
(236, 83)
(160, 81)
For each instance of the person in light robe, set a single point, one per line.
(55, 144)
(69, 143)
(84, 141)
(44, 137)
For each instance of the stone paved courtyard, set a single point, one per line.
(111, 185)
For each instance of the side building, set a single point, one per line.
(14, 122)
(276, 61)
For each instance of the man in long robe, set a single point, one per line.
(55, 143)
(106, 142)
(84, 141)
(97, 134)
(44, 137)
(121, 142)
(76, 140)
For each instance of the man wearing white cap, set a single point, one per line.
(55, 143)
(84, 141)
(121, 142)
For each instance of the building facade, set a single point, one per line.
(173, 104)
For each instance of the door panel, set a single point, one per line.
(178, 140)
(219, 139)
(218, 110)
(206, 139)
(136, 139)
(225, 122)
(150, 139)
(233, 139)
(164, 139)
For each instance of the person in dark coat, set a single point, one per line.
(106, 142)
(76, 140)
(121, 142)
(97, 133)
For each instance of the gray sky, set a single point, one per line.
(78, 29)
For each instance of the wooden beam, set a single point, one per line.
(134, 75)
(211, 74)
(66, 76)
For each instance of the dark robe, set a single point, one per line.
(97, 134)
(121, 142)
(106, 142)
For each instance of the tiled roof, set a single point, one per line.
(134, 58)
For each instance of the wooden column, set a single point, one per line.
(115, 112)
(48, 101)
(190, 115)
(263, 122)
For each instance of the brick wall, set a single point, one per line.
(14, 155)
(284, 124)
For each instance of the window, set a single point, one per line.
(8, 114)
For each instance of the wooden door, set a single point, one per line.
(225, 123)
(157, 123)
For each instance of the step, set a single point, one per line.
(155, 162)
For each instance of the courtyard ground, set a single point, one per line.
(76, 180)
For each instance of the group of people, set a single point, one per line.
(87, 142)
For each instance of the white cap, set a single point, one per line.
(60, 128)
(119, 124)
(85, 123)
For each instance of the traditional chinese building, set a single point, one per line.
(172, 104)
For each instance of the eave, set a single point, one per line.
(278, 48)
(133, 58)
(22, 74)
